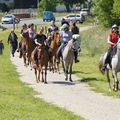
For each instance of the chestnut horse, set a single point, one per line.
(26, 48)
(43, 59)
(53, 49)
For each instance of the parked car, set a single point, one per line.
(78, 18)
(48, 16)
(85, 12)
(9, 19)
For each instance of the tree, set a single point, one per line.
(116, 11)
(47, 5)
(69, 3)
(108, 11)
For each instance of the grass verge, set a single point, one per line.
(93, 44)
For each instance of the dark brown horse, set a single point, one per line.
(26, 48)
(42, 64)
(53, 49)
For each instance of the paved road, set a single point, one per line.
(28, 21)
(75, 97)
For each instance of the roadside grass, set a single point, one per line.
(17, 101)
(93, 44)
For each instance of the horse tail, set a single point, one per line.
(101, 63)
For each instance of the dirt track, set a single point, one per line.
(75, 97)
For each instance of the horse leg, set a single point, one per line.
(24, 60)
(116, 82)
(108, 78)
(45, 81)
(42, 75)
(36, 75)
(39, 75)
(63, 67)
(66, 72)
(70, 73)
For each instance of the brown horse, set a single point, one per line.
(26, 48)
(53, 49)
(43, 59)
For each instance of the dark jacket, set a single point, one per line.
(12, 40)
(75, 30)
(1, 45)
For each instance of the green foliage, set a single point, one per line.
(108, 11)
(116, 11)
(47, 5)
(69, 3)
(103, 10)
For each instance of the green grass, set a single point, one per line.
(17, 101)
(93, 44)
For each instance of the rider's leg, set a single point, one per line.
(35, 55)
(76, 56)
(59, 53)
(107, 60)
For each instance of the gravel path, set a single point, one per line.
(75, 97)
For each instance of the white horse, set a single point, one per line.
(115, 62)
(68, 55)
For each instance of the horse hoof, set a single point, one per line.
(45, 82)
(115, 90)
(71, 80)
(37, 81)
(42, 81)
(66, 79)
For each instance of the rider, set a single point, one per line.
(40, 40)
(23, 30)
(31, 32)
(75, 30)
(63, 21)
(65, 36)
(51, 30)
(112, 40)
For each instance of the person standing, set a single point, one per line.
(12, 39)
(1, 47)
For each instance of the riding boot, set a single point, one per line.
(76, 55)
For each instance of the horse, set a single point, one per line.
(68, 55)
(115, 63)
(26, 48)
(53, 49)
(43, 59)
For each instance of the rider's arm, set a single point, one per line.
(110, 41)
(36, 42)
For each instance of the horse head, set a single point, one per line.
(76, 41)
(56, 37)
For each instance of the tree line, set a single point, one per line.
(107, 11)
